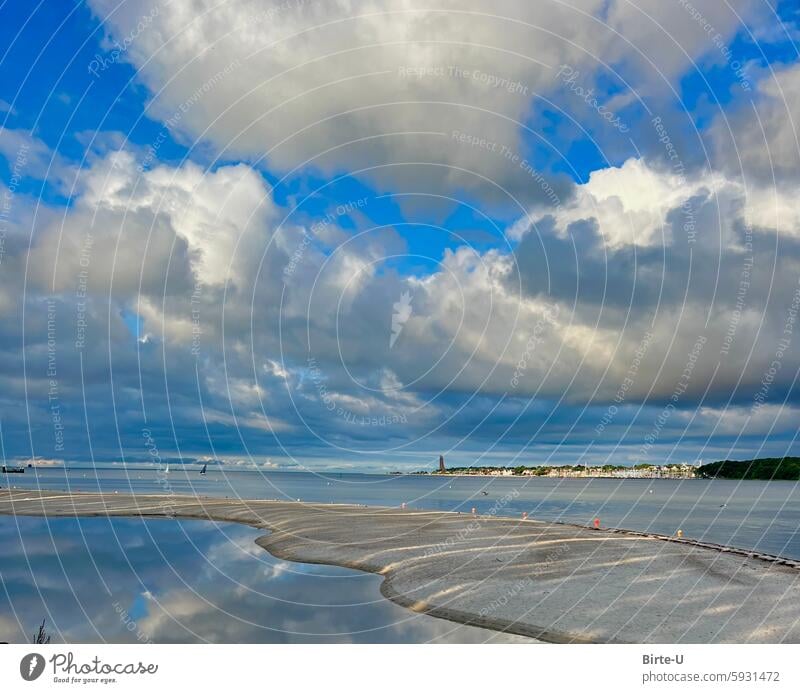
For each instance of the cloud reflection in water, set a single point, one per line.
(168, 581)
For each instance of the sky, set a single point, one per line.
(337, 235)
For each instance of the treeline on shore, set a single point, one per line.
(787, 468)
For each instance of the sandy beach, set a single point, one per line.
(553, 582)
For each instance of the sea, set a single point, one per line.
(154, 580)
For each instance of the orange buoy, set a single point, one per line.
(597, 523)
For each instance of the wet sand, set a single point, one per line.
(553, 582)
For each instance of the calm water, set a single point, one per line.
(123, 580)
(750, 514)
(134, 580)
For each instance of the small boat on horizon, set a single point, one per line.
(204, 469)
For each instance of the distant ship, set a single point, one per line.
(13, 470)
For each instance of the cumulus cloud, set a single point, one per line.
(250, 326)
(629, 204)
(236, 342)
(644, 204)
(640, 251)
(386, 90)
(760, 140)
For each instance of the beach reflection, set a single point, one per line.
(167, 581)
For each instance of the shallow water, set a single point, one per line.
(132, 580)
(763, 515)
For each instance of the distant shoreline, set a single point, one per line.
(763, 469)
(554, 476)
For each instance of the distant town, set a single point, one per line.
(772, 468)
(639, 471)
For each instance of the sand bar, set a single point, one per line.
(554, 582)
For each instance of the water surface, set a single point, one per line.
(763, 515)
(183, 581)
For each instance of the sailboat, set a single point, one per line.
(203, 470)
(166, 469)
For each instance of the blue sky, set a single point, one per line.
(306, 235)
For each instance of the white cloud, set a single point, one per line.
(30, 157)
(637, 204)
(629, 203)
(344, 86)
(471, 323)
(476, 326)
(761, 138)
(214, 211)
(158, 232)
